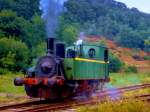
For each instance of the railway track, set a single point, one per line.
(24, 104)
(73, 104)
(116, 91)
(43, 105)
(143, 97)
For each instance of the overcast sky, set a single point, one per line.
(142, 5)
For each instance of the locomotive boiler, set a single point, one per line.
(66, 72)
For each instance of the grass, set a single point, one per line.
(126, 79)
(7, 85)
(121, 80)
(137, 92)
(7, 89)
(118, 106)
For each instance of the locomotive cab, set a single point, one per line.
(86, 65)
(87, 61)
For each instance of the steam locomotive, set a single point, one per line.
(66, 72)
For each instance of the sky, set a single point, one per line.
(141, 5)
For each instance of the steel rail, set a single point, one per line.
(66, 105)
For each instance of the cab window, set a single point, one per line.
(91, 53)
(71, 53)
(106, 55)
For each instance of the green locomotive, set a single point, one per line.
(66, 72)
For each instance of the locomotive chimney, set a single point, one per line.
(50, 46)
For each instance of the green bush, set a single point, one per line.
(146, 58)
(3, 71)
(115, 63)
(13, 54)
(131, 69)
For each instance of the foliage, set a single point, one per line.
(13, 54)
(68, 33)
(24, 8)
(115, 64)
(10, 24)
(18, 28)
(130, 39)
(39, 50)
(146, 58)
(131, 69)
(28, 31)
(111, 19)
(147, 44)
(33, 31)
(4, 71)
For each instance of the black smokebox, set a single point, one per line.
(50, 46)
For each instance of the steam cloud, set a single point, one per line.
(51, 10)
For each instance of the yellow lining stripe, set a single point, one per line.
(89, 60)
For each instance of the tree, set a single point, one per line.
(13, 54)
(24, 8)
(2, 34)
(6, 4)
(10, 24)
(147, 44)
(68, 34)
(129, 38)
(34, 31)
(39, 50)
(31, 32)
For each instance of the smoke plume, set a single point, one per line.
(51, 10)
